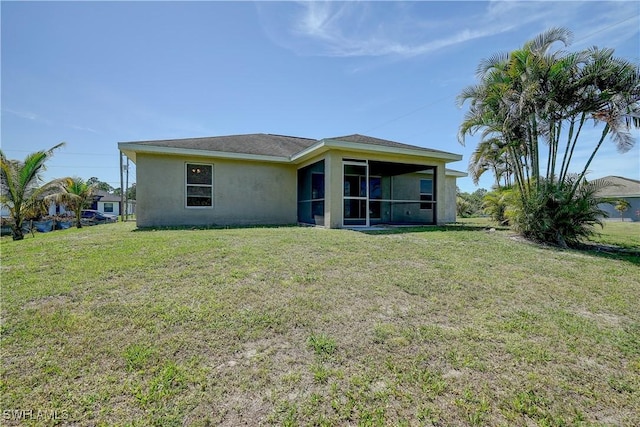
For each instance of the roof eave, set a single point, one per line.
(371, 148)
(314, 150)
(131, 149)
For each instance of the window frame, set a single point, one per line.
(187, 185)
(110, 207)
(424, 202)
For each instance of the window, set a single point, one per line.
(108, 207)
(426, 193)
(199, 185)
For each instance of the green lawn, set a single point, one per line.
(109, 325)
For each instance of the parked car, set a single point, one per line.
(96, 217)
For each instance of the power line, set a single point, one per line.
(82, 167)
(57, 153)
(408, 114)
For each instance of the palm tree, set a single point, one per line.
(22, 191)
(621, 206)
(76, 194)
(534, 97)
(490, 155)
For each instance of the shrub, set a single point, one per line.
(495, 205)
(560, 213)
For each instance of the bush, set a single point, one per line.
(496, 203)
(559, 213)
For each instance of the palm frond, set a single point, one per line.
(495, 62)
(543, 41)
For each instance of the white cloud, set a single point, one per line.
(356, 29)
(22, 114)
(27, 115)
(83, 128)
(373, 29)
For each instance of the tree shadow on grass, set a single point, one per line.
(611, 252)
(396, 229)
(592, 249)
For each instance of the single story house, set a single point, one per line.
(102, 202)
(108, 203)
(621, 189)
(348, 181)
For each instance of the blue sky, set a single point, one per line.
(97, 73)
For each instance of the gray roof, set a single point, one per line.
(364, 139)
(621, 187)
(256, 143)
(107, 197)
(269, 144)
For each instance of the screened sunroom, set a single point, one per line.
(372, 193)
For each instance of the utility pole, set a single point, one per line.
(122, 190)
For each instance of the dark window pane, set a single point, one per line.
(317, 208)
(317, 186)
(375, 189)
(374, 210)
(426, 186)
(198, 191)
(426, 197)
(355, 170)
(352, 186)
(353, 208)
(198, 201)
(199, 174)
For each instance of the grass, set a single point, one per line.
(623, 234)
(109, 325)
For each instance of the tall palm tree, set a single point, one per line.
(534, 97)
(76, 195)
(22, 188)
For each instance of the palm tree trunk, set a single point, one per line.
(554, 135)
(605, 132)
(568, 153)
(17, 233)
(533, 147)
(79, 217)
(517, 170)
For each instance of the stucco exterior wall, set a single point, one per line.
(407, 187)
(450, 211)
(244, 192)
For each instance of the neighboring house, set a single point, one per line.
(108, 203)
(349, 181)
(52, 209)
(622, 188)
